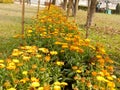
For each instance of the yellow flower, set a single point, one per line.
(29, 31)
(15, 60)
(57, 83)
(111, 84)
(38, 56)
(26, 58)
(94, 73)
(1, 61)
(53, 52)
(11, 66)
(109, 78)
(24, 72)
(2, 65)
(47, 58)
(24, 80)
(11, 89)
(63, 84)
(78, 71)
(57, 87)
(44, 50)
(35, 84)
(33, 79)
(6, 84)
(100, 78)
(59, 63)
(41, 88)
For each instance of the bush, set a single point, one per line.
(55, 57)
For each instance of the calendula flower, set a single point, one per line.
(11, 66)
(41, 88)
(111, 84)
(25, 72)
(6, 84)
(57, 87)
(47, 58)
(59, 63)
(2, 65)
(35, 84)
(94, 73)
(78, 71)
(100, 78)
(15, 60)
(57, 83)
(63, 84)
(33, 79)
(53, 52)
(29, 31)
(44, 50)
(38, 56)
(11, 89)
(26, 58)
(1, 61)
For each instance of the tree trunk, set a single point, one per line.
(91, 11)
(38, 5)
(23, 14)
(49, 5)
(75, 8)
(65, 4)
(70, 3)
(53, 2)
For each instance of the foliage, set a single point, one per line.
(55, 56)
(118, 8)
(6, 1)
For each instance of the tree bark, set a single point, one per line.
(23, 14)
(49, 5)
(75, 8)
(65, 4)
(53, 2)
(90, 13)
(70, 3)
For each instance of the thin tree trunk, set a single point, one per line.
(38, 7)
(54, 2)
(23, 14)
(69, 7)
(75, 8)
(65, 4)
(91, 11)
(49, 5)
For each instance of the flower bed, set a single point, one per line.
(55, 57)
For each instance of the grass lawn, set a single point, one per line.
(105, 29)
(10, 25)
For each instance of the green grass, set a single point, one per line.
(105, 30)
(10, 25)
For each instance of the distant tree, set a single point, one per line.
(72, 4)
(118, 8)
(90, 13)
(75, 7)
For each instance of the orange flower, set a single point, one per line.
(94, 73)
(47, 58)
